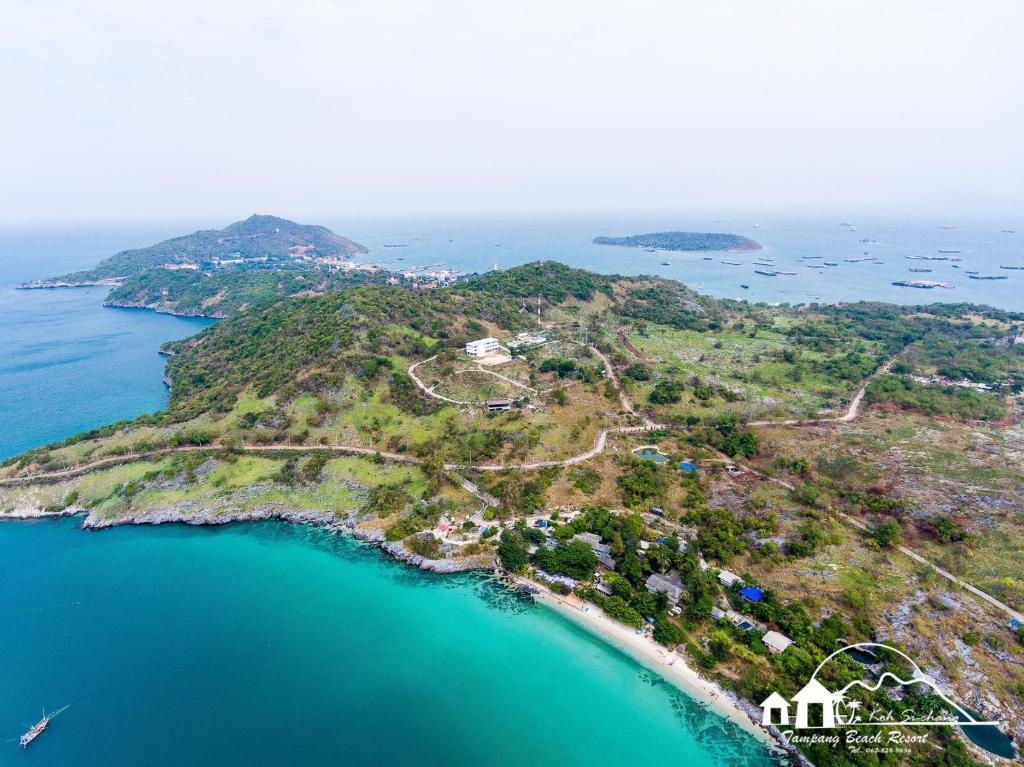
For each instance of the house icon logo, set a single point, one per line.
(817, 707)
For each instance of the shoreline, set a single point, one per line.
(670, 665)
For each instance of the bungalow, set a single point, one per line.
(594, 542)
(776, 642)
(496, 405)
(670, 585)
(605, 560)
(604, 588)
(728, 579)
(717, 613)
(751, 593)
(740, 621)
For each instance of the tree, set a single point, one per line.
(887, 534)
(512, 551)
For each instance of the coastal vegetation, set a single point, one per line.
(333, 406)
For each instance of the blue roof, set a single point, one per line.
(1015, 624)
(661, 540)
(687, 466)
(751, 593)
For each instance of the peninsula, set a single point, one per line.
(213, 273)
(683, 241)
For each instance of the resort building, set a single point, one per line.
(776, 642)
(594, 542)
(670, 585)
(496, 405)
(728, 579)
(482, 347)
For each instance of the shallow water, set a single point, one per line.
(268, 644)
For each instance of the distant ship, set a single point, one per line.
(37, 729)
(732, 263)
(1008, 231)
(989, 277)
(1012, 267)
(919, 269)
(923, 284)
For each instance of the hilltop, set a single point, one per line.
(684, 241)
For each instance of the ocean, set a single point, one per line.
(271, 644)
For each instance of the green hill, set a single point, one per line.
(256, 242)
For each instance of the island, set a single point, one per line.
(213, 273)
(731, 492)
(684, 241)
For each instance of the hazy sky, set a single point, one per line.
(145, 108)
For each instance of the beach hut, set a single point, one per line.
(670, 585)
(728, 579)
(775, 703)
(776, 642)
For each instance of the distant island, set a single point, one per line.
(686, 241)
(216, 272)
(258, 241)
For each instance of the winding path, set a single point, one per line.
(600, 444)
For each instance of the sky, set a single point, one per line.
(119, 109)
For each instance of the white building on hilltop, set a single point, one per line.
(483, 347)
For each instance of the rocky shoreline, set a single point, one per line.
(112, 282)
(164, 310)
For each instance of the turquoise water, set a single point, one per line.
(269, 644)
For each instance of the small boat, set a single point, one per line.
(919, 269)
(1019, 268)
(948, 251)
(1009, 231)
(666, 263)
(732, 263)
(970, 272)
(708, 258)
(765, 273)
(36, 730)
(745, 286)
(989, 277)
(831, 263)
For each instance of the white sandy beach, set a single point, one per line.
(669, 664)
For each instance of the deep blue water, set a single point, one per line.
(67, 363)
